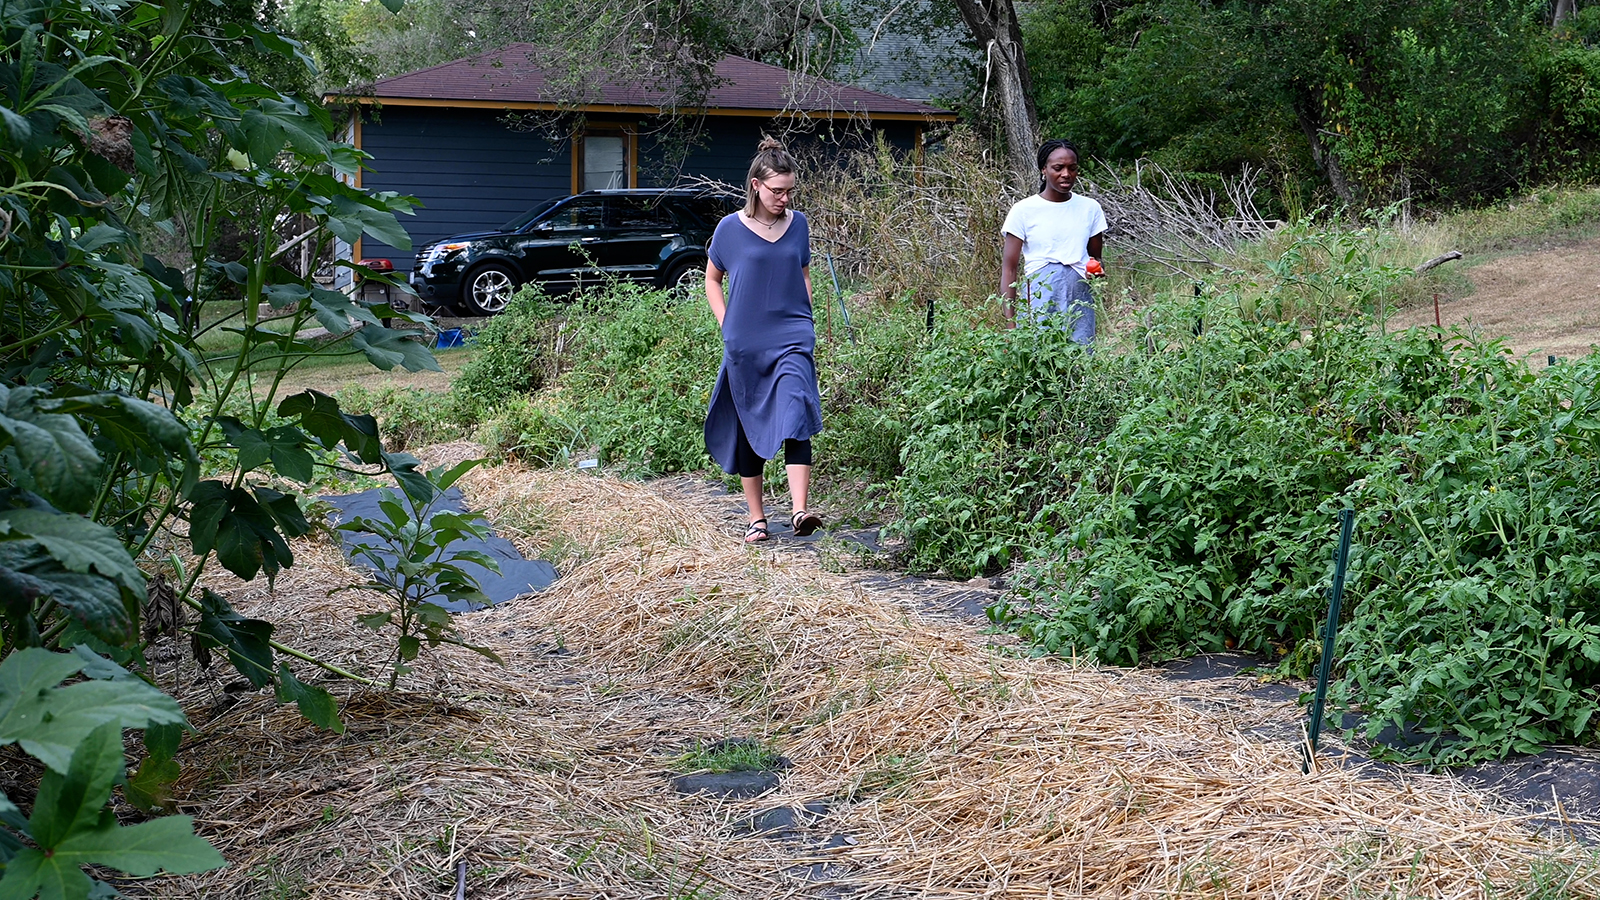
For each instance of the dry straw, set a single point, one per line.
(950, 769)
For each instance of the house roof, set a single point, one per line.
(510, 79)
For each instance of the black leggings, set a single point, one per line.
(795, 453)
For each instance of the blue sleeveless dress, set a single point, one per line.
(768, 380)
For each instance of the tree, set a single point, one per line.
(995, 27)
(1382, 99)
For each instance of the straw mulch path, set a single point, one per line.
(950, 769)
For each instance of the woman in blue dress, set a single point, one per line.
(758, 282)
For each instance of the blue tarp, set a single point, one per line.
(517, 576)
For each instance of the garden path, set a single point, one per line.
(1544, 301)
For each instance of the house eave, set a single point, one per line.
(621, 109)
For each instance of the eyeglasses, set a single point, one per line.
(780, 193)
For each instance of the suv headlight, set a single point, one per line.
(440, 251)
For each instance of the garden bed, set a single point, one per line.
(924, 760)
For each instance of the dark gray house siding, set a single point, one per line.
(470, 171)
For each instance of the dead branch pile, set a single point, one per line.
(1176, 225)
(954, 770)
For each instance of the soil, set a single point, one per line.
(1543, 303)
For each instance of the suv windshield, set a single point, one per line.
(522, 221)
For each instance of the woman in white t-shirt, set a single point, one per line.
(1058, 236)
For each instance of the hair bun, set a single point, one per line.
(769, 143)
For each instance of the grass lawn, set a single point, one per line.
(330, 376)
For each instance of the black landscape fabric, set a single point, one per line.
(517, 576)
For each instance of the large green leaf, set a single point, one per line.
(28, 574)
(319, 414)
(274, 123)
(389, 347)
(79, 544)
(248, 641)
(130, 423)
(58, 458)
(165, 844)
(349, 217)
(73, 828)
(316, 704)
(233, 523)
(50, 721)
(405, 469)
(72, 801)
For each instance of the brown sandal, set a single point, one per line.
(757, 532)
(805, 523)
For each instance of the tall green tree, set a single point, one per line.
(1381, 99)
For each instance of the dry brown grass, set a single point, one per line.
(956, 770)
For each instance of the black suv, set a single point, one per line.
(655, 236)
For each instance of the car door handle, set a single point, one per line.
(588, 240)
(671, 234)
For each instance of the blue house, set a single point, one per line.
(456, 136)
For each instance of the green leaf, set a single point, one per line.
(80, 545)
(32, 874)
(132, 424)
(248, 641)
(374, 620)
(409, 647)
(319, 414)
(350, 216)
(57, 456)
(165, 844)
(29, 574)
(388, 347)
(284, 510)
(415, 484)
(253, 447)
(244, 535)
(73, 801)
(450, 476)
(150, 786)
(316, 704)
(18, 125)
(49, 721)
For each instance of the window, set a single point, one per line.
(603, 158)
(640, 212)
(604, 163)
(579, 215)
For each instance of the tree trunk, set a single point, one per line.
(1565, 9)
(994, 26)
(1324, 157)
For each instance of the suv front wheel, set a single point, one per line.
(488, 289)
(686, 276)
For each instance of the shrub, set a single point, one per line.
(993, 415)
(642, 366)
(1204, 520)
(409, 416)
(535, 429)
(516, 353)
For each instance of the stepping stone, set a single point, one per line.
(782, 822)
(733, 785)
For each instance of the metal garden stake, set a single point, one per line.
(1341, 558)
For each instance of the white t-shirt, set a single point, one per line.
(1055, 232)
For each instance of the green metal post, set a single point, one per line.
(1341, 559)
(849, 329)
